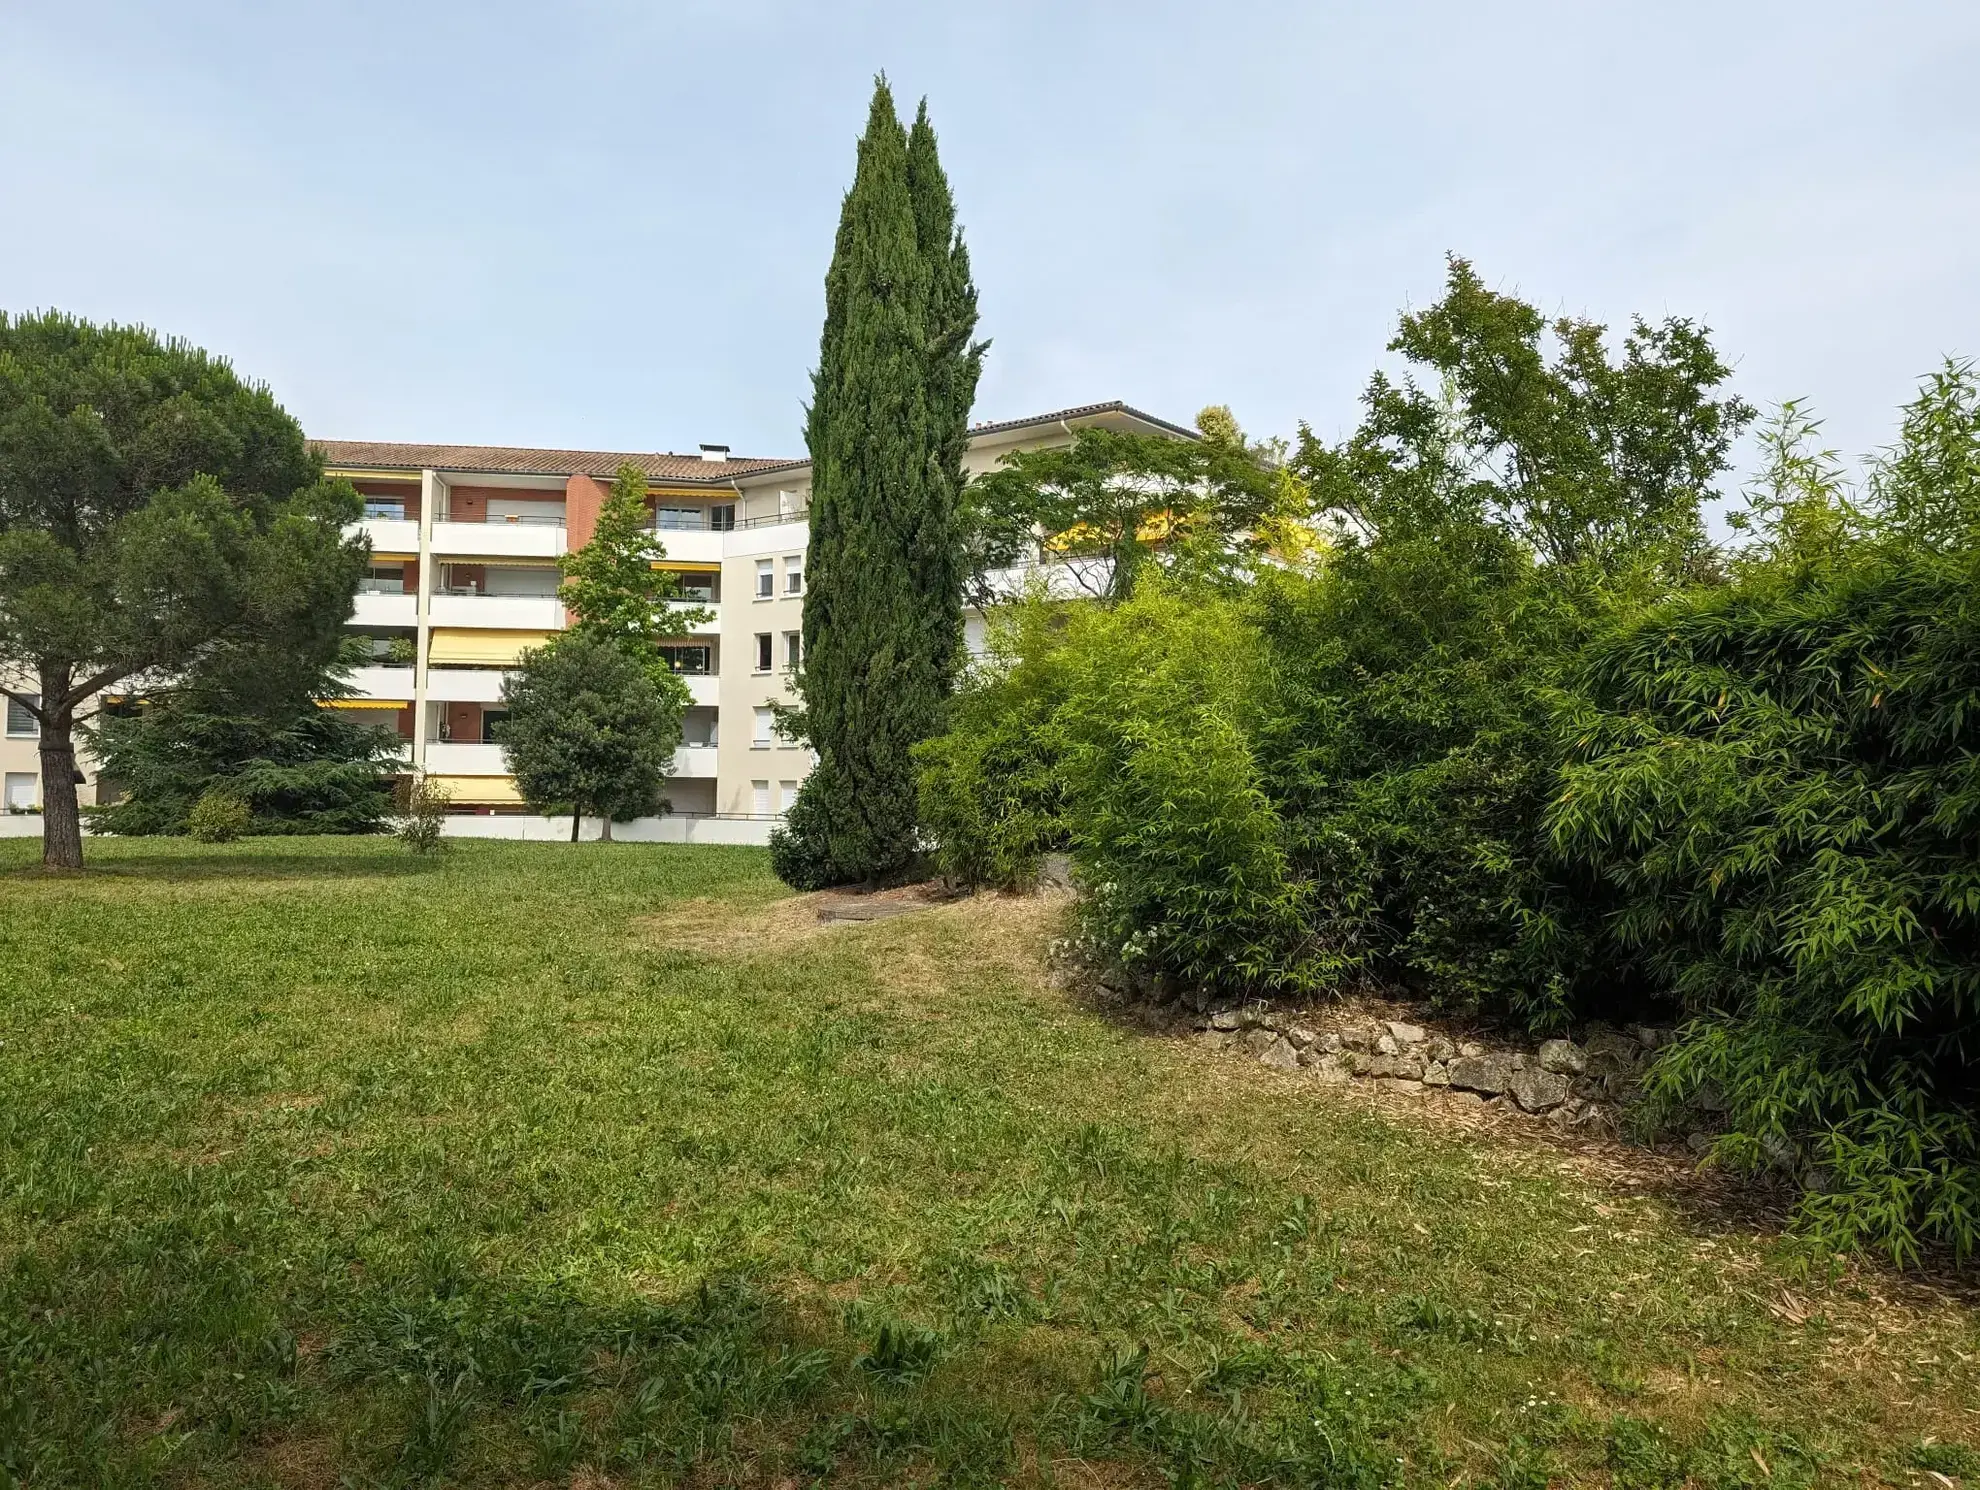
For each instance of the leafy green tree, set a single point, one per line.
(884, 575)
(1115, 502)
(589, 731)
(1580, 458)
(614, 586)
(255, 723)
(154, 506)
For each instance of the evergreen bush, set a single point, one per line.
(218, 817)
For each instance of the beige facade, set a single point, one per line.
(465, 541)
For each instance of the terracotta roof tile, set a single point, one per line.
(516, 460)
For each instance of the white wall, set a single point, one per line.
(744, 831)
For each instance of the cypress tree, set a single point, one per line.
(886, 428)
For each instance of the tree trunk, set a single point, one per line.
(61, 821)
(605, 828)
(576, 818)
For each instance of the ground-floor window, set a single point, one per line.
(759, 798)
(22, 791)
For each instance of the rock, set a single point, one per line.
(1610, 1051)
(1403, 1085)
(1357, 1063)
(1217, 1039)
(1438, 1049)
(1225, 1019)
(1698, 1143)
(1537, 1090)
(1563, 1056)
(1329, 1041)
(1255, 1042)
(1280, 1055)
(1256, 1017)
(1481, 1073)
(1385, 1044)
(1470, 1047)
(1408, 1067)
(1436, 1073)
(1647, 1035)
(1589, 1088)
(1358, 1039)
(1300, 1036)
(1197, 999)
(1457, 1098)
(1327, 1067)
(1520, 1060)
(1406, 1034)
(1598, 1120)
(1567, 1115)
(1055, 872)
(1710, 1098)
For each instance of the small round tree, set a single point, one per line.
(589, 731)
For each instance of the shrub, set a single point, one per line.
(1780, 779)
(218, 817)
(420, 813)
(992, 793)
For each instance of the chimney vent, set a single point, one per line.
(716, 453)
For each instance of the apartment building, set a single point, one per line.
(465, 542)
(463, 579)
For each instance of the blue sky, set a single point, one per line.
(606, 224)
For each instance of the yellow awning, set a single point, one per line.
(687, 566)
(359, 473)
(394, 558)
(366, 703)
(487, 648)
(479, 791)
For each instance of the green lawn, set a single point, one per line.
(553, 1165)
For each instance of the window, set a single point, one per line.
(393, 508)
(786, 503)
(759, 798)
(680, 519)
(383, 579)
(21, 794)
(692, 661)
(764, 662)
(786, 795)
(19, 720)
(793, 649)
(794, 575)
(723, 519)
(766, 580)
(765, 728)
(492, 721)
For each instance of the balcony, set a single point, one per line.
(387, 609)
(711, 626)
(382, 682)
(692, 545)
(703, 688)
(389, 535)
(694, 761)
(501, 612)
(500, 538)
(465, 685)
(458, 758)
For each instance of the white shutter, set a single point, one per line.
(760, 798)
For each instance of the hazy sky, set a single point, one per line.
(606, 224)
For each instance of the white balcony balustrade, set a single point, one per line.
(504, 612)
(465, 685)
(372, 609)
(389, 535)
(500, 538)
(465, 758)
(382, 682)
(694, 761)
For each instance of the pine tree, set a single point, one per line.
(886, 429)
